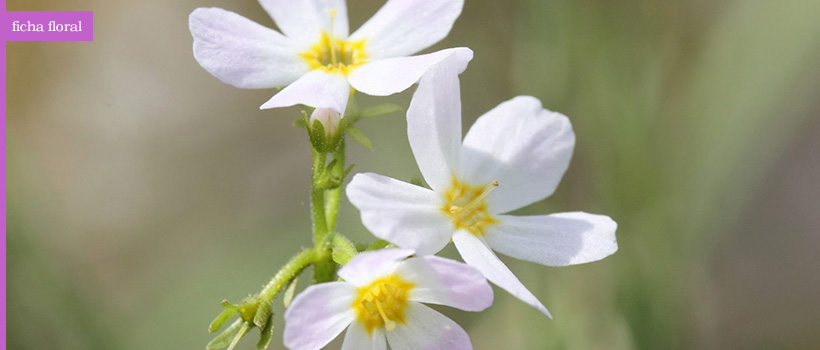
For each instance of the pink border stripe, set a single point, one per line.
(3, 186)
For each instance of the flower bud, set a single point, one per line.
(329, 118)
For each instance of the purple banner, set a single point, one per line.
(48, 26)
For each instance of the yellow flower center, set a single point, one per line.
(382, 303)
(465, 205)
(334, 55)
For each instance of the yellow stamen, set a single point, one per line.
(383, 303)
(460, 212)
(388, 323)
(333, 13)
(466, 206)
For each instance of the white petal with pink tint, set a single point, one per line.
(404, 27)
(241, 52)
(554, 240)
(357, 338)
(317, 89)
(367, 266)
(476, 253)
(446, 282)
(434, 124)
(427, 329)
(305, 19)
(524, 147)
(399, 212)
(392, 75)
(318, 314)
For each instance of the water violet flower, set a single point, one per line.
(514, 155)
(314, 55)
(379, 302)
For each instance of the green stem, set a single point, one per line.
(317, 198)
(333, 196)
(287, 273)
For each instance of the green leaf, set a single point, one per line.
(266, 334)
(263, 314)
(290, 292)
(380, 110)
(224, 316)
(359, 137)
(223, 340)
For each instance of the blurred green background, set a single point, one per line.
(142, 191)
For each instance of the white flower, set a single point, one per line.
(380, 298)
(514, 155)
(315, 57)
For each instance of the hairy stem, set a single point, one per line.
(317, 197)
(287, 273)
(333, 196)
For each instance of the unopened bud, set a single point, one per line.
(329, 118)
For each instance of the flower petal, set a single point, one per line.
(446, 282)
(304, 20)
(398, 212)
(521, 145)
(427, 329)
(434, 124)
(318, 315)
(404, 27)
(241, 52)
(317, 89)
(367, 266)
(554, 240)
(476, 253)
(392, 75)
(357, 338)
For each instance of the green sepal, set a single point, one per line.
(265, 334)
(316, 132)
(380, 110)
(380, 244)
(289, 293)
(224, 339)
(324, 271)
(263, 314)
(359, 137)
(343, 250)
(224, 316)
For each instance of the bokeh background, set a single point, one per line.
(142, 191)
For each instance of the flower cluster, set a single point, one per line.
(514, 155)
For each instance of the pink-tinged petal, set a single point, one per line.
(357, 338)
(316, 89)
(392, 75)
(368, 266)
(304, 20)
(554, 240)
(521, 145)
(401, 213)
(434, 124)
(446, 282)
(427, 329)
(404, 27)
(319, 314)
(476, 253)
(241, 52)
